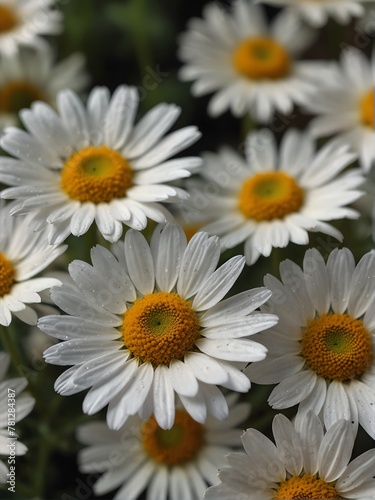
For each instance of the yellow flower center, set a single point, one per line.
(8, 20)
(160, 327)
(306, 487)
(261, 58)
(175, 446)
(271, 195)
(18, 95)
(366, 105)
(337, 347)
(7, 275)
(96, 174)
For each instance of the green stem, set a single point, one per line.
(11, 347)
(41, 464)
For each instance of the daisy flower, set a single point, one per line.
(321, 354)
(270, 198)
(303, 463)
(317, 14)
(94, 164)
(179, 463)
(252, 68)
(153, 324)
(11, 400)
(30, 75)
(345, 104)
(22, 21)
(23, 254)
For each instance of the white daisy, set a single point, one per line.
(322, 352)
(250, 67)
(316, 13)
(345, 104)
(303, 463)
(153, 325)
(22, 406)
(178, 464)
(22, 21)
(271, 198)
(30, 75)
(23, 254)
(94, 164)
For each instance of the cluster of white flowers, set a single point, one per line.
(155, 324)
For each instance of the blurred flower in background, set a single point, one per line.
(32, 75)
(345, 104)
(18, 407)
(178, 463)
(251, 67)
(23, 21)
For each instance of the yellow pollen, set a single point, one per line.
(261, 58)
(337, 347)
(306, 487)
(268, 196)
(8, 20)
(160, 327)
(17, 95)
(175, 446)
(366, 105)
(7, 275)
(96, 174)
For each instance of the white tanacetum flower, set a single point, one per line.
(22, 21)
(322, 352)
(345, 104)
(250, 67)
(22, 406)
(304, 463)
(316, 13)
(153, 325)
(23, 254)
(94, 164)
(178, 464)
(30, 75)
(271, 198)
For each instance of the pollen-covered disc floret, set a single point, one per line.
(337, 347)
(269, 196)
(275, 195)
(307, 486)
(173, 464)
(23, 255)
(6, 275)
(367, 108)
(160, 327)
(261, 58)
(344, 105)
(152, 325)
(23, 21)
(303, 464)
(96, 174)
(251, 66)
(322, 350)
(174, 446)
(22, 403)
(93, 164)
